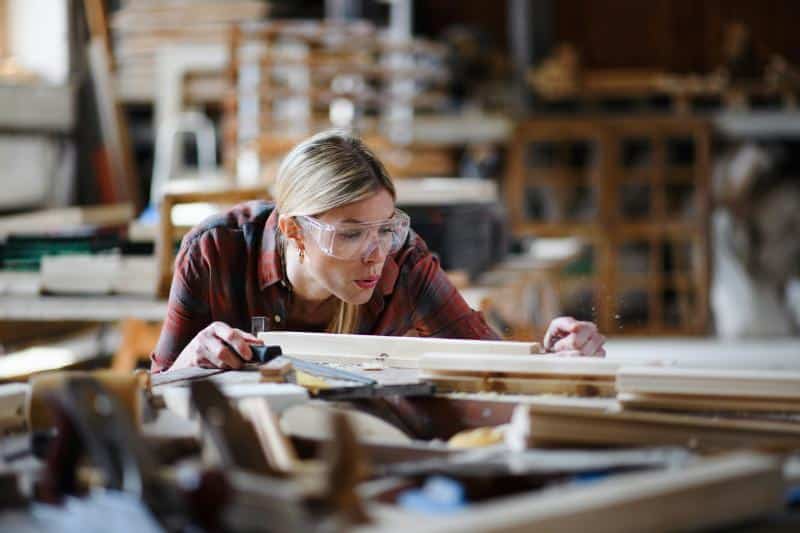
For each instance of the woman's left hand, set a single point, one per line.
(565, 334)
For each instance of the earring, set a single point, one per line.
(302, 255)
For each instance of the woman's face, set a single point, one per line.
(352, 280)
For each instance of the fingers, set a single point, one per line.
(220, 354)
(559, 327)
(236, 339)
(594, 346)
(566, 335)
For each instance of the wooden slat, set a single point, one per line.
(113, 125)
(276, 447)
(515, 385)
(782, 384)
(706, 404)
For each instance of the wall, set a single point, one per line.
(674, 35)
(39, 36)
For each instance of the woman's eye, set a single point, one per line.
(351, 235)
(387, 230)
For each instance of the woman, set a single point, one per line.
(331, 254)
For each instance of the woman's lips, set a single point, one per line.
(367, 283)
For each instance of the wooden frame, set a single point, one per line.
(165, 243)
(606, 172)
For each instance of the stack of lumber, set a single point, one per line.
(141, 27)
(520, 374)
(698, 389)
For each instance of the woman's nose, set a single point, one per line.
(375, 252)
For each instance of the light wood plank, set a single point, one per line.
(276, 447)
(573, 387)
(783, 384)
(671, 402)
(403, 350)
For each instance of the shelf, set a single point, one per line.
(81, 308)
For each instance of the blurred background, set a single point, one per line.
(631, 163)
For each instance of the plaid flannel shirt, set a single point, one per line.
(229, 269)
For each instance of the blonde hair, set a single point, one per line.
(328, 170)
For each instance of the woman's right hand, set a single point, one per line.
(217, 346)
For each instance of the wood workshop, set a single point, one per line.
(585, 315)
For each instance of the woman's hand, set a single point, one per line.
(573, 337)
(217, 346)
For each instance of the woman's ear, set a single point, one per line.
(291, 230)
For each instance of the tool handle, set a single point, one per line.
(264, 353)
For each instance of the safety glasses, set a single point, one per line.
(347, 240)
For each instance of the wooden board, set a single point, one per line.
(403, 352)
(778, 384)
(602, 422)
(113, 125)
(516, 385)
(671, 402)
(710, 493)
(65, 218)
(276, 447)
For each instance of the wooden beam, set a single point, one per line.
(113, 125)
(276, 447)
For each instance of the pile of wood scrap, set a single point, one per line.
(520, 374)
(142, 27)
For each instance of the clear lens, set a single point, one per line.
(351, 241)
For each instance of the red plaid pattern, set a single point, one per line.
(229, 269)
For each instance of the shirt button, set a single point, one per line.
(277, 319)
